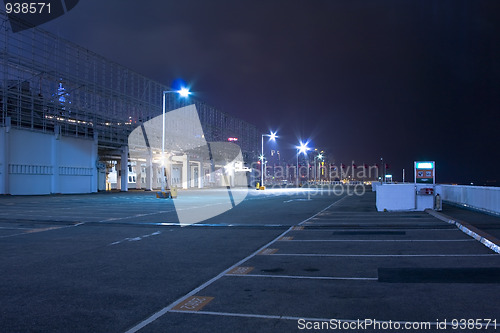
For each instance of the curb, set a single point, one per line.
(486, 239)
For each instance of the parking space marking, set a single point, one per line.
(193, 303)
(378, 240)
(322, 228)
(309, 319)
(268, 252)
(28, 231)
(321, 211)
(112, 219)
(193, 292)
(135, 239)
(383, 255)
(307, 277)
(241, 270)
(168, 308)
(286, 238)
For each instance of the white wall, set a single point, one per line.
(395, 197)
(479, 197)
(38, 163)
(403, 197)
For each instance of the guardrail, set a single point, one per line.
(482, 198)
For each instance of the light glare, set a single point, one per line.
(303, 148)
(184, 92)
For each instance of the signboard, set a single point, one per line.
(425, 172)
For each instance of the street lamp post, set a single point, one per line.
(272, 136)
(316, 167)
(302, 148)
(183, 92)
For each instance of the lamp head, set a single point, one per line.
(273, 136)
(302, 148)
(184, 92)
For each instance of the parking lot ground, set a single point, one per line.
(281, 261)
(485, 222)
(350, 263)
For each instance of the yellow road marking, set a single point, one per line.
(240, 270)
(268, 251)
(193, 303)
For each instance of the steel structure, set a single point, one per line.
(50, 84)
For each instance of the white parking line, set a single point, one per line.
(381, 255)
(306, 277)
(309, 319)
(313, 228)
(378, 240)
(39, 230)
(135, 216)
(214, 279)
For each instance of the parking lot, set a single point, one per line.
(281, 261)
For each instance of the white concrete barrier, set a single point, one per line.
(478, 197)
(395, 197)
(33, 163)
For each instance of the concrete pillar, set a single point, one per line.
(138, 175)
(201, 175)
(54, 188)
(154, 177)
(124, 169)
(118, 168)
(4, 157)
(193, 180)
(94, 185)
(186, 172)
(149, 171)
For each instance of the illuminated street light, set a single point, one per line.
(183, 92)
(272, 136)
(318, 157)
(301, 149)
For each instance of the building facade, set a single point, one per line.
(67, 113)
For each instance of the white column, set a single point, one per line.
(4, 158)
(124, 169)
(138, 175)
(201, 175)
(118, 168)
(155, 176)
(186, 170)
(149, 171)
(93, 164)
(55, 160)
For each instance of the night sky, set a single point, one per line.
(403, 80)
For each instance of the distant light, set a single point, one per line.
(303, 148)
(320, 156)
(232, 139)
(184, 92)
(425, 165)
(273, 136)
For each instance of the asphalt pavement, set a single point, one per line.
(280, 261)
